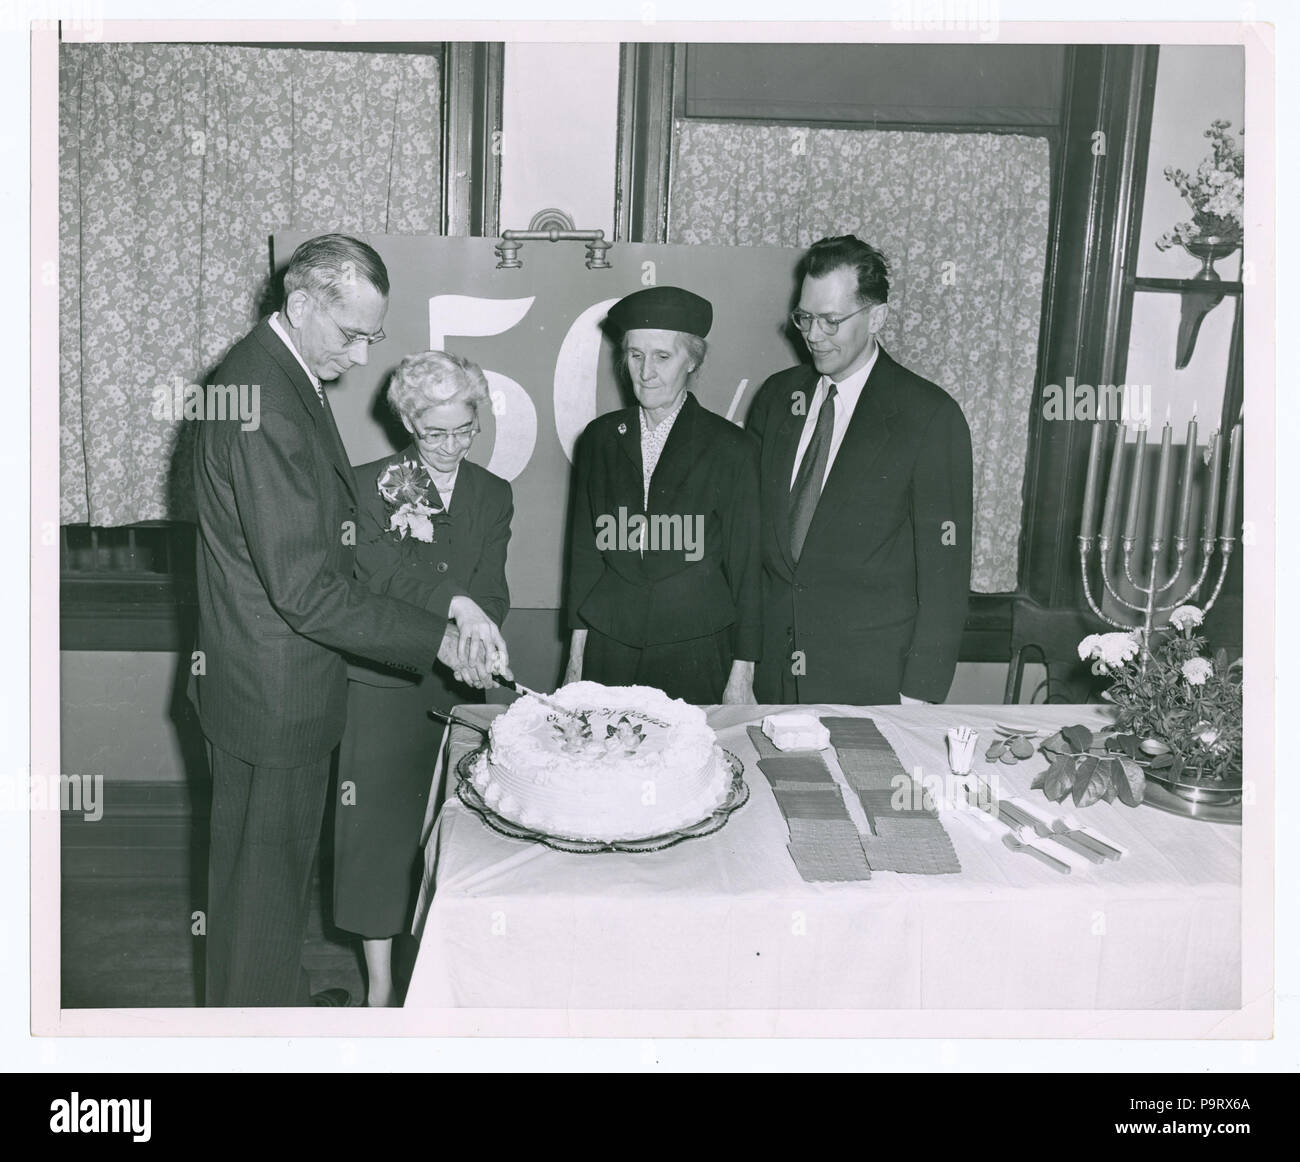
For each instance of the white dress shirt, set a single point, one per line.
(847, 393)
(278, 328)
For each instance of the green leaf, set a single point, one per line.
(1124, 743)
(1054, 745)
(1059, 779)
(1022, 748)
(1130, 782)
(1078, 738)
(995, 751)
(1162, 760)
(1108, 795)
(1089, 782)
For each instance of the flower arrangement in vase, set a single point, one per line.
(1216, 193)
(1178, 721)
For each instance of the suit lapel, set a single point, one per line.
(677, 458)
(785, 443)
(629, 487)
(464, 497)
(322, 415)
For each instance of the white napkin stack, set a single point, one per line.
(796, 730)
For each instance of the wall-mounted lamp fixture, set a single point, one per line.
(551, 226)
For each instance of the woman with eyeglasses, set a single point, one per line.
(663, 586)
(432, 529)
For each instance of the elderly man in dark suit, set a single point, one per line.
(279, 606)
(866, 482)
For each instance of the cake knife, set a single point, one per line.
(520, 689)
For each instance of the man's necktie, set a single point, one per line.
(812, 470)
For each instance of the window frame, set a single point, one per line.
(111, 609)
(1087, 301)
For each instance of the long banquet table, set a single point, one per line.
(726, 922)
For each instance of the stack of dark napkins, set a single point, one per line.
(824, 843)
(906, 835)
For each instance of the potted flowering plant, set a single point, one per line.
(1215, 192)
(1178, 721)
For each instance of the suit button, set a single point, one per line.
(442, 566)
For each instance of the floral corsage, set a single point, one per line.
(414, 507)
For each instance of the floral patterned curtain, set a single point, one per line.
(962, 218)
(176, 164)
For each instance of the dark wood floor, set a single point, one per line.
(127, 943)
(131, 884)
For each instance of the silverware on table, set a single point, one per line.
(458, 721)
(1069, 825)
(1013, 841)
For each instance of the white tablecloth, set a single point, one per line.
(725, 922)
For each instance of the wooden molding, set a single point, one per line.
(649, 98)
(472, 87)
(1087, 304)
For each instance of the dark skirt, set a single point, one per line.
(695, 670)
(386, 767)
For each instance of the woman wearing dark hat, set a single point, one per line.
(663, 586)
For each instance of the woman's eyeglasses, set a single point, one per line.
(463, 435)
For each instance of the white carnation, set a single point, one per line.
(1185, 617)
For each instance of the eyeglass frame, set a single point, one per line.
(830, 324)
(463, 435)
(350, 338)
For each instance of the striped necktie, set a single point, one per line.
(807, 487)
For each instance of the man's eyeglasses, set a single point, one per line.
(803, 320)
(463, 435)
(352, 338)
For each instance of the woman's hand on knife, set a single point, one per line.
(481, 650)
(477, 667)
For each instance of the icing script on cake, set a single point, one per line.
(624, 737)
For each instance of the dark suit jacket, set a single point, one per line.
(877, 601)
(708, 471)
(467, 556)
(278, 602)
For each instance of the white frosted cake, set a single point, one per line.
(632, 764)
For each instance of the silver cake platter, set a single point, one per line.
(467, 793)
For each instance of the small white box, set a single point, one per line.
(796, 730)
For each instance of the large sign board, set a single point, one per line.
(536, 333)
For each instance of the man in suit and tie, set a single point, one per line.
(279, 607)
(866, 497)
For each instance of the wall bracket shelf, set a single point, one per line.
(1199, 298)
